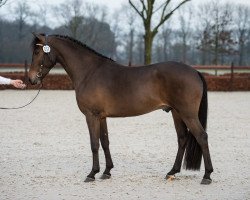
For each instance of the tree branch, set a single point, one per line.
(165, 4)
(164, 18)
(2, 2)
(150, 9)
(140, 13)
(143, 8)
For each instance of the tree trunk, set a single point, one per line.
(165, 53)
(146, 13)
(131, 46)
(184, 53)
(148, 41)
(141, 50)
(203, 57)
(216, 51)
(241, 50)
(241, 53)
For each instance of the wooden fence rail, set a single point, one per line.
(214, 67)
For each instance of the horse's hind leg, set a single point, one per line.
(181, 131)
(201, 137)
(105, 145)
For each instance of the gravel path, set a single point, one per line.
(45, 151)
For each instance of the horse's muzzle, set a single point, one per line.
(35, 81)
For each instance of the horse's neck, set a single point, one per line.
(78, 63)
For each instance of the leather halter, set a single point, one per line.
(46, 50)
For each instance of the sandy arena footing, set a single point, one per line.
(45, 151)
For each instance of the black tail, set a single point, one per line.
(193, 153)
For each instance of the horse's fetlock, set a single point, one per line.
(110, 166)
(96, 171)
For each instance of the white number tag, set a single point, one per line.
(46, 49)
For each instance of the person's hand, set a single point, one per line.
(18, 84)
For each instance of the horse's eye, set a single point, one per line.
(36, 51)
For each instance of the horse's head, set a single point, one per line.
(43, 58)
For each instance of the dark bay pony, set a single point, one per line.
(105, 88)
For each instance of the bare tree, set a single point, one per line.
(130, 36)
(185, 19)
(203, 26)
(126, 36)
(217, 37)
(70, 13)
(131, 45)
(115, 24)
(166, 34)
(164, 42)
(22, 12)
(2, 2)
(139, 49)
(42, 15)
(93, 26)
(146, 11)
(82, 21)
(242, 21)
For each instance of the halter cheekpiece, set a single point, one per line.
(46, 50)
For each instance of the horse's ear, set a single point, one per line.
(39, 36)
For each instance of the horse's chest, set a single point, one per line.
(90, 104)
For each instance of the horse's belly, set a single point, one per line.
(133, 110)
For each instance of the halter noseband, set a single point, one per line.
(46, 50)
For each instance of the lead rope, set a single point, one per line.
(12, 108)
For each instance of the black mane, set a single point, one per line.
(36, 40)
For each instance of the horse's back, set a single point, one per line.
(176, 76)
(175, 68)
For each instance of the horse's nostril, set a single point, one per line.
(32, 81)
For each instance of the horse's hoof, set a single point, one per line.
(105, 176)
(170, 177)
(88, 179)
(206, 181)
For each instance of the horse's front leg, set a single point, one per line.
(105, 145)
(94, 124)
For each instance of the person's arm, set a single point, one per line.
(5, 81)
(16, 83)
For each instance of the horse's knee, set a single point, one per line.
(95, 148)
